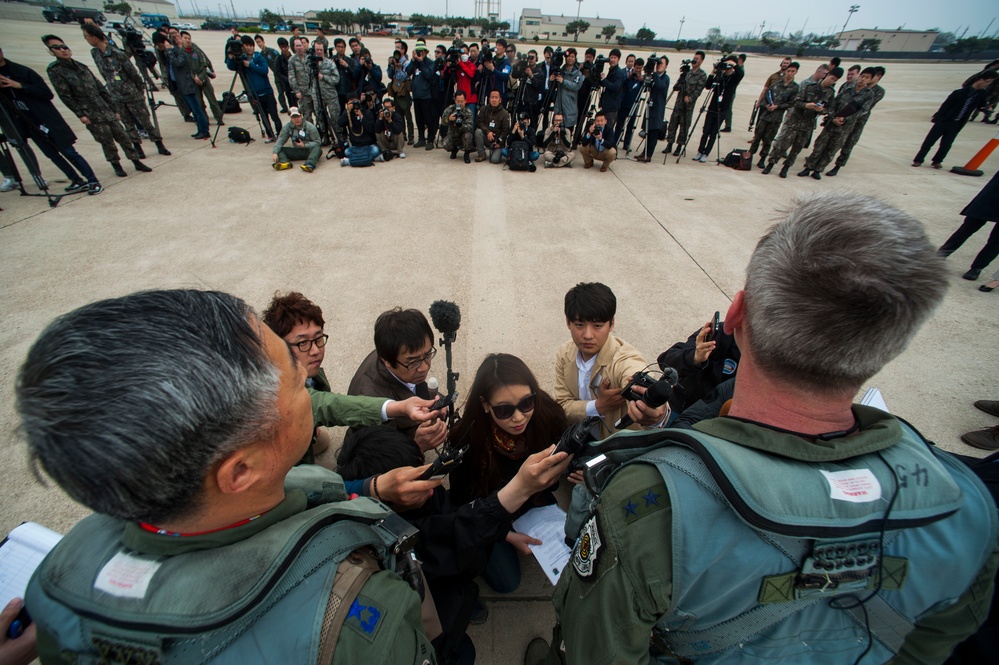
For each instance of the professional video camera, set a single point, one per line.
(314, 61)
(485, 54)
(685, 67)
(453, 55)
(723, 65)
(132, 38)
(519, 70)
(597, 68)
(234, 49)
(558, 58)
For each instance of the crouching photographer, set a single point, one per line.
(521, 151)
(557, 144)
(359, 124)
(598, 143)
(305, 143)
(492, 128)
(458, 120)
(390, 131)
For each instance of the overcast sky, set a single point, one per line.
(663, 16)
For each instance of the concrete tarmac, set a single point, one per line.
(671, 240)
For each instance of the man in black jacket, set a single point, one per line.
(390, 132)
(597, 143)
(704, 361)
(722, 80)
(33, 116)
(358, 125)
(613, 88)
(951, 118)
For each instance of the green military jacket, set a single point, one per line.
(123, 80)
(860, 100)
(811, 92)
(311, 140)
(80, 90)
(609, 615)
(200, 63)
(330, 409)
(466, 119)
(780, 94)
(694, 84)
(299, 75)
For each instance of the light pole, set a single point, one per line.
(579, 8)
(682, 21)
(853, 9)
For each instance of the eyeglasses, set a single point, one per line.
(505, 411)
(59, 47)
(306, 344)
(425, 358)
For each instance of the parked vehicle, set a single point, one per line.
(72, 14)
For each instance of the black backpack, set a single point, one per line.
(520, 157)
(239, 135)
(230, 104)
(739, 159)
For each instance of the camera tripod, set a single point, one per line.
(8, 112)
(592, 104)
(708, 100)
(548, 103)
(263, 122)
(637, 113)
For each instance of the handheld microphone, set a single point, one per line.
(432, 387)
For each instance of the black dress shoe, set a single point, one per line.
(984, 288)
(972, 274)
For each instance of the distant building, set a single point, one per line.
(549, 26)
(168, 9)
(911, 41)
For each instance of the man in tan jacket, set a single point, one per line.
(593, 367)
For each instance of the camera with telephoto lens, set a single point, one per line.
(234, 49)
(355, 104)
(657, 391)
(454, 56)
(723, 66)
(458, 121)
(519, 70)
(577, 436)
(685, 66)
(485, 54)
(522, 120)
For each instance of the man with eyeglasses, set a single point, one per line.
(299, 322)
(398, 369)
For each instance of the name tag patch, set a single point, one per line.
(127, 575)
(855, 485)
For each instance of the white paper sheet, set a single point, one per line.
(24, 549)
(547, 524)
(873, 397)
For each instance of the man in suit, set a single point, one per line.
(951, 118)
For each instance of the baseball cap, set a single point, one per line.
(294, 111)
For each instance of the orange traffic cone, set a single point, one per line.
(971, 168)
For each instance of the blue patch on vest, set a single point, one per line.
(364, 618)
(730, 366)
(651, 498)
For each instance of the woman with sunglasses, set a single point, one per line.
(506, 418)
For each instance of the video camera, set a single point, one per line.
(234, 49)
(519, 71)
(597, 68)
(649, 67)
(657, 391)
(485, 54)
(453, 55)
(558, 58)
(685, 66)
(723, 66)
(314, 60)
(132, 38)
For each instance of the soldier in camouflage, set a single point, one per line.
(858, 126)
(300, 79)
(799, 123)
(80, 90)
(776, 99)
(851, 104)
(325, 95)
(126, 86)
(683, 108)
(458, 120)
(203, 72)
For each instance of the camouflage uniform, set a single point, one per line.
(799, 123)
(458, 138)
(80, 90)
(300, 78)
(693, 86)
(127, 88)
(328, 91)
(833, 136)
(768, 122)
(858, 128)
(200, 67)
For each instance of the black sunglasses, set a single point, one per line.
(505, 411)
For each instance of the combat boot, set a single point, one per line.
(468, 156)
(140, 167)
(833, 171)
(162, 148)
(816, 175)
(762, 164)
(804, 173)
(783, 171)
(118, 171)
(138, 149)
(454, 154)
(768, 168)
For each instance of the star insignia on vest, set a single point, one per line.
(642, 503)
(365, 617)
(584, 553)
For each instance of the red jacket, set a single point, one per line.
(465, 83)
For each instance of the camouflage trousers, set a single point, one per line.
(135, 112)
(206, 91)
(788, 145)
(678, 120)
(765, 133)
(106, 133)
(851, 140)
(305, 106)
(827, 145)
(459, 140)
(331, 103)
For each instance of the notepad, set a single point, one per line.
(20, 553)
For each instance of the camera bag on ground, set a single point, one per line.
(315, 583)
(230, 104)
(739, 160)
(239, 135)
(520, 156)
